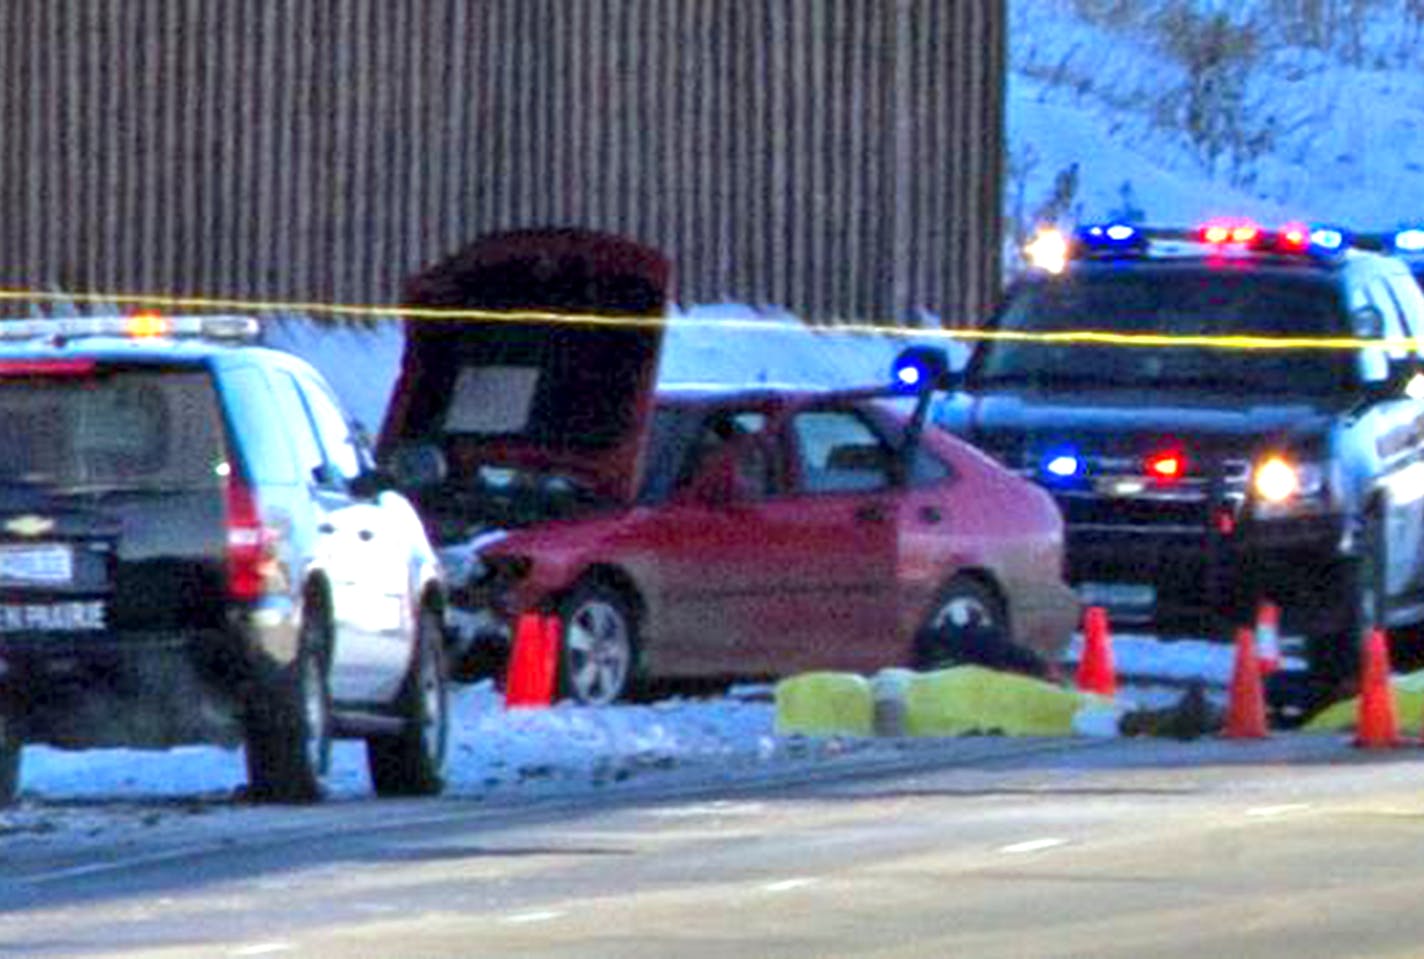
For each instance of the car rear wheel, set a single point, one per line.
(599, 645)
(11, 749)
(969, 624)
(289, 735)
(412, 763)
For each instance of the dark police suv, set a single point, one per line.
(194, 547)
(1224, 416)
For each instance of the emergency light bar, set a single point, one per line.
(1050, 249)
(138, 326)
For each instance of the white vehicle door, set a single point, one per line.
(365, 558)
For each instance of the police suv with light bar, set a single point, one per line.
(1406, 243)
(194, 547)
(1225, 416)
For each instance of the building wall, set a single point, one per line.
(838, 157)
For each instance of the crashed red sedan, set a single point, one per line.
(696, 533)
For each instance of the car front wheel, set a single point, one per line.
(599, 645)
(412, 762)
(1333, 658)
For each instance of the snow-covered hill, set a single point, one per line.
(1321, 118)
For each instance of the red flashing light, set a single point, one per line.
(1219, 233)
(1294, 238)
(1167, 466)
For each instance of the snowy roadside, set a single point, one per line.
(540, 751)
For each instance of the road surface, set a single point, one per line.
(1293, 847)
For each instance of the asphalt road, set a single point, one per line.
(1294, 847)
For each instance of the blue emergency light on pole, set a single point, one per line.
(919, 371)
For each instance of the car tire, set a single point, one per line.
(598, 647)
(289, 736)
(11, 749)
(969, 625)
(412, 763)
(1333, 658)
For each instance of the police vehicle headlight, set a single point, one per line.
(1280, 486)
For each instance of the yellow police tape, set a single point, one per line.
(1408, 706)
(965, 334)
(948, 702)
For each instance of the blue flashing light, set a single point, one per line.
(1327, 239)
(1062, 464)
(918, 368)
(1111, 235)
(1410, 240)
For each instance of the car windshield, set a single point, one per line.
(1214, 303)
(118, 430)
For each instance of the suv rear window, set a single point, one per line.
(1215, 302)
(120, 428)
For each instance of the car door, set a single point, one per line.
(834, 535)
(715, 565)
(364, 563)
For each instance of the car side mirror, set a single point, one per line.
(415, 466)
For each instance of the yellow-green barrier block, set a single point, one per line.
(971, 699)
(1408, 708)
(825, 704)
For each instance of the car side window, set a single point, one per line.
(1393, 323)
(716, 431)
(266, 445)
(838, 452)
(310, 461)
(1410, 300)
(338, 439)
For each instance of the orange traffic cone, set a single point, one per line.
(1376, 725)
(1096, 673)
(533, 662)
(1246, 709)
(1268, 636)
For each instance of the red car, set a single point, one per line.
(704, 533)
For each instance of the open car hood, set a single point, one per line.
(555, 395)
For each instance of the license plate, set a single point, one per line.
(45, 565)
(1141, 596)
(76, 617)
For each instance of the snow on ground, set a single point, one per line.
(1076, 97)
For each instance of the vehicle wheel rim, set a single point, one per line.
(598, 652)
(963, 612)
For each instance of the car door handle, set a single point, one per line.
(930, 515)
(326, 529)
(366, 535)
(872, 513)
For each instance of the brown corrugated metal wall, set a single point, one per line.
(838, 157)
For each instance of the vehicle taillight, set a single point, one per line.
(250, 554)
(46, 367)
